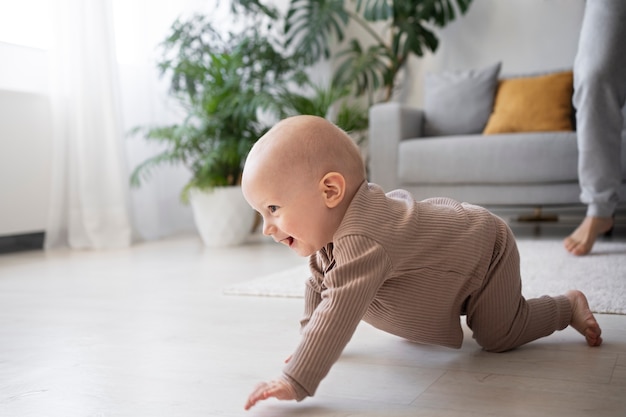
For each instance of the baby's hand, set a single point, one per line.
(278, 389)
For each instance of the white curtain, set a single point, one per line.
(140, 26)
(90, 197)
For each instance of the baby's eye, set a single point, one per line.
(272, 209)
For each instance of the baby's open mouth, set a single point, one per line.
(288, 241)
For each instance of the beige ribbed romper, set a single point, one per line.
(412, 269)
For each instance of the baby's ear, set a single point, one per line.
(333, 187)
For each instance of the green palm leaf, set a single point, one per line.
(309, 24)
(364, 69)
(375, 10)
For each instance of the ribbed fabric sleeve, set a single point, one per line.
(347, 291)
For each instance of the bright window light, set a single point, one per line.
(26, 22)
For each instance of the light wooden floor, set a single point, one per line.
(147, 332)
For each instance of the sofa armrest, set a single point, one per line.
(389, 123)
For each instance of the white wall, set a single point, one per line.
(526, 35)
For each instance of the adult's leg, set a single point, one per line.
(599, 95)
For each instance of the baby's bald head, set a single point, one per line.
(301, 177)
(306, 147)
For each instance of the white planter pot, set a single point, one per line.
(222, 216)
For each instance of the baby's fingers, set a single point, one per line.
(257, 394)
(277, 389)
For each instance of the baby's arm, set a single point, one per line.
(282, 389)
(328, 324)
(279, 389)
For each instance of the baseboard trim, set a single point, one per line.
(22, 242)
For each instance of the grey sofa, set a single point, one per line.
(513, 169)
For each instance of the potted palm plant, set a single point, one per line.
(232, 87)
(225, 83)
(372, 61)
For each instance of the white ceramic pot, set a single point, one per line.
(222, 216)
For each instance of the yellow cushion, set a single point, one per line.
(533, 104)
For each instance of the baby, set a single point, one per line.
(410, 268)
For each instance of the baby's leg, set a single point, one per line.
(583, 319)
(502, 319)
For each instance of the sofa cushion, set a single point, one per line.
(533, 104)
(514, 158)
(459, 102)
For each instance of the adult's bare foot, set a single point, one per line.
(582, 239)
(582, 318)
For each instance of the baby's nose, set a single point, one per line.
(268, 228)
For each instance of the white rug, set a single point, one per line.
(546, 269)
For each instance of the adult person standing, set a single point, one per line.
(599, 96)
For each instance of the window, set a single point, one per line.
(26, 22)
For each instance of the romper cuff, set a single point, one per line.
(301, 393)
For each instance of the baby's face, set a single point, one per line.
(293, 210)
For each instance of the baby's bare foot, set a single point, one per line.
(583, 319)
(582, 239)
